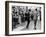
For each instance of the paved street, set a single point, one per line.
(22, 26)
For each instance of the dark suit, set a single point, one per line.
(27, 19)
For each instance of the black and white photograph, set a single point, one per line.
(25, 18)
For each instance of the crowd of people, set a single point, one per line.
(20, 16)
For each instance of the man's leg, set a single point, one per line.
(28, 23)
(35, 21)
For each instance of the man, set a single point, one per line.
(28, 18)
(35, 18)
(22, 17)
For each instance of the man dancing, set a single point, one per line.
(28, 18)
(35, 18)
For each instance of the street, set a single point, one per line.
(22, 26)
